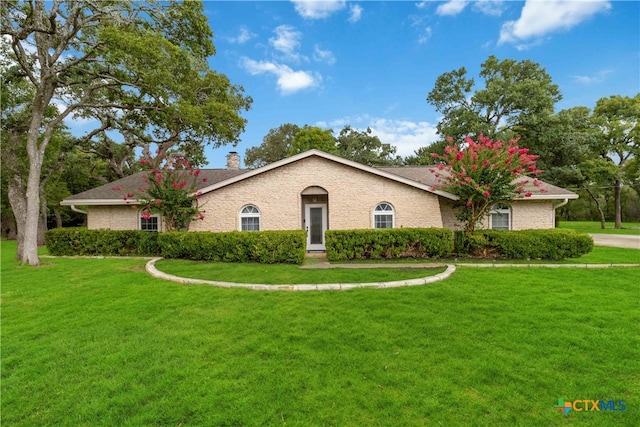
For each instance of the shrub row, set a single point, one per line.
(391, 243)
(269, 247)
(553, 244)
(81, 241)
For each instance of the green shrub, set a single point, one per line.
(81, 241)
(269, 247)
(388, 243)
(554, 244)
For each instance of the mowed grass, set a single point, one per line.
(594, 227)
(288, 274)
(100, 343)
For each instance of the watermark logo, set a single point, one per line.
(586, 405)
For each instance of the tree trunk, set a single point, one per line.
(603, 224)
(18, 201)
(618, 203)
(58, 215)
(42, 221)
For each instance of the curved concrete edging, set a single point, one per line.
(153, 271)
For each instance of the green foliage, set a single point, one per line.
(513, 93)
(275, 146)
(388, 243)
(553, 244)
(267, 247)
(313, 137)
(81, 241)
(365, 148)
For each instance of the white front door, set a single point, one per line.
(315, 220)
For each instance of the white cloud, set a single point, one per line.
(289, 80)
(323, 55)
(452, 7)
(541, 17)
(287, 40)
(406, 135)
(318, 9)
(356, 13)
(425, 36)
(599, 77)
(244, 36)
(489, 7)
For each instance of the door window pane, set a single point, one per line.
(315, 229)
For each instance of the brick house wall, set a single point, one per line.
(525, 215)
(352, 197)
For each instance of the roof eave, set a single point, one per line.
(99, 202)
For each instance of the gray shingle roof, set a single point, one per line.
(135, 181)
(420, 176)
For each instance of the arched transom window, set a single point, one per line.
(383, 216)
(500, 217)
(250, 218)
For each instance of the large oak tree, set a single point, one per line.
(138, 68)
(512, 95)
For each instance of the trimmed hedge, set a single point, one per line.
(268, 247)
(553, 244)
(81, 241)
(390, 243)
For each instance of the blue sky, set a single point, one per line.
(372, 63)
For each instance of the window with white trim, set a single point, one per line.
(150, 224)
(500, 217)
(383, 216)
(250, 218)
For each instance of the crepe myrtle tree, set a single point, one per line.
(482, 173)
(170, 191)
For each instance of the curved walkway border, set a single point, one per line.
(152, 270)
(451, 268)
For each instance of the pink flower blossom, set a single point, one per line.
(204, 179)
(474, 167)
(158, 202)
(116, 188)
(469, 204)
(145, 214)
(459, 156)
(129, 194)
(528, 194)
(486, 193)
(485, 163)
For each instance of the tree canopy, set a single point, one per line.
(514, 92)
(138, 68)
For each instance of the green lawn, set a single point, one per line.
(594, 227)
(288, 274)
(100, 343)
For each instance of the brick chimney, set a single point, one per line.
(233, 160)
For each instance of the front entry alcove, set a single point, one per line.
(315, 216)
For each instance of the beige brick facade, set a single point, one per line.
(525, 215)
(115, 218)
(352, 197)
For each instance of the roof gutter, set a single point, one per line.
(559, 205)
(73, 208)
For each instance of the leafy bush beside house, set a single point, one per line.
(269, 247)
(556, 244)
(388, 243)
(84, 242)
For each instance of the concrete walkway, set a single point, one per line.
(617, 240)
